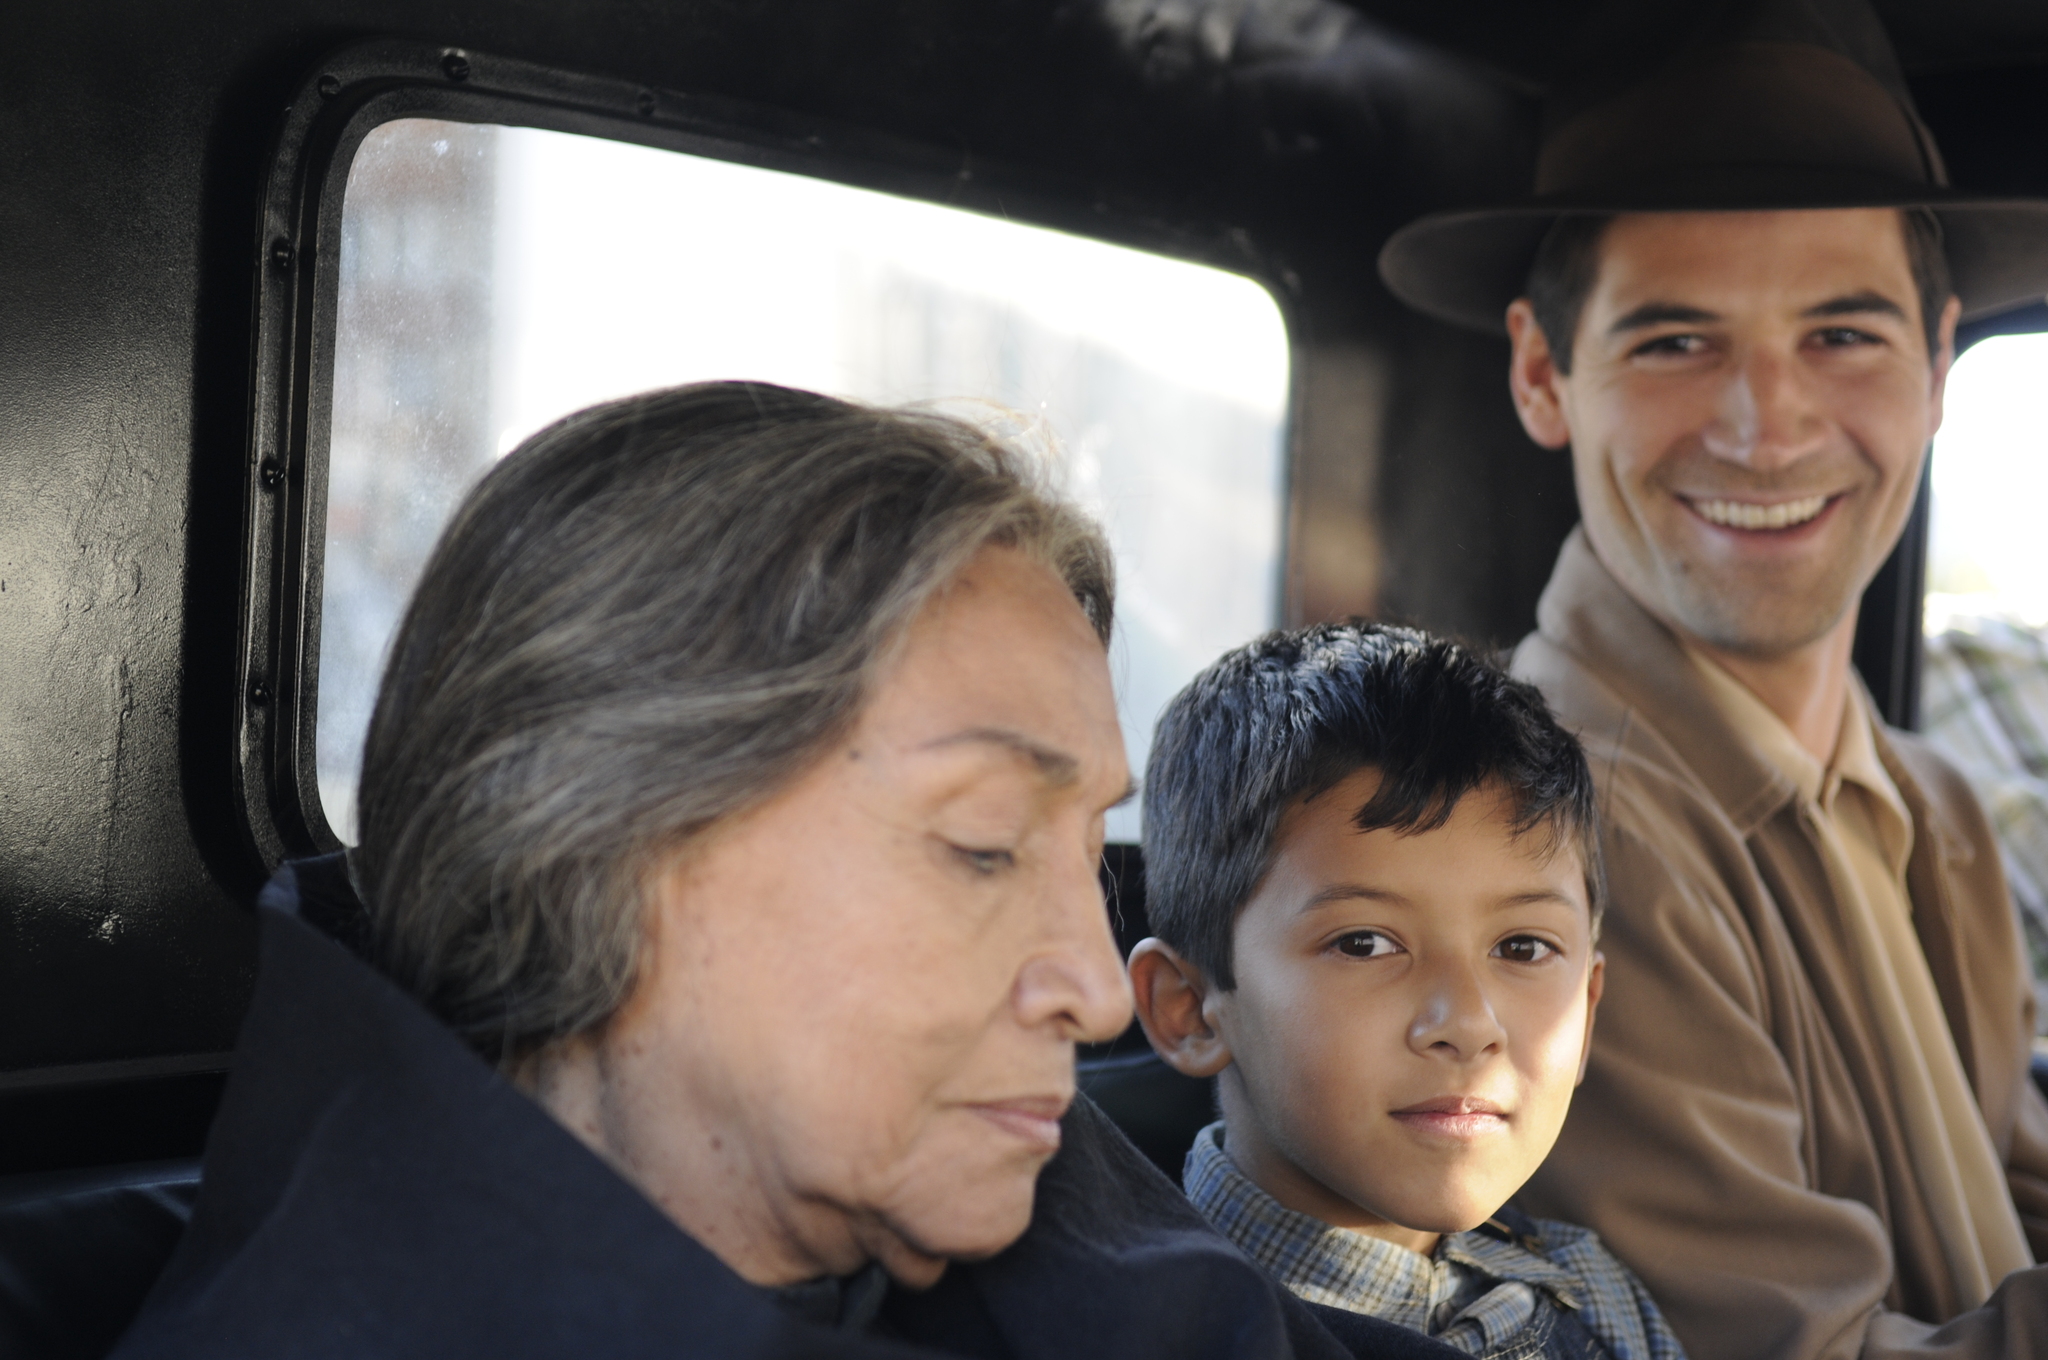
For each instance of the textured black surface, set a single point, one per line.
(1286, 135)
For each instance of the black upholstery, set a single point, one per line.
(1157, 1108)
(80, 1249)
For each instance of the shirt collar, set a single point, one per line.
(1856, 762)
(1641, 666)
(1344, 1268)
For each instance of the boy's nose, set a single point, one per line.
(1455, 1019)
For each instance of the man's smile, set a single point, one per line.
(1734, 514)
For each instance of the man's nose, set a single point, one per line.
(1455, 1018)
(1768, 416)
(1075, 980)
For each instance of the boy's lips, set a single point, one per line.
(1455, 1117)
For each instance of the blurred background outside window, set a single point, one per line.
(1984, 699)
(493, 279)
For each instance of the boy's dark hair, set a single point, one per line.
(1292, 714)
(1568, 261)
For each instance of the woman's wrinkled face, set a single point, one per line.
(853, 1037)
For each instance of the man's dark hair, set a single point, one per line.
(1292, 714)
(1569, 260)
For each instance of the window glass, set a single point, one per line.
(495, 278)
(1985, 557)
(1984, 699)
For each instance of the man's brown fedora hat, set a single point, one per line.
(1782, 104)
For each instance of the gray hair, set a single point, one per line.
(651, 615)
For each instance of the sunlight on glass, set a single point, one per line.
(493, 279)
(1986, 555)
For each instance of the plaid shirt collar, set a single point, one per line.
(1479, 1289)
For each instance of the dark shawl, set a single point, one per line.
(373, 1188)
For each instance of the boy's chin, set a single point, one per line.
(1444, 1218)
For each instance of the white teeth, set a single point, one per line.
(1744, 515)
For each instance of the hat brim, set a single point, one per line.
(1466, 267)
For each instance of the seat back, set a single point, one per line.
(79, 1251)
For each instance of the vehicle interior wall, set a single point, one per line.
(1284, 138)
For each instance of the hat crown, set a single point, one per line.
(1659, 90)
(1627, 42)
(1768, 106)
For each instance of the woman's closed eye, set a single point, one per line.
(985, 861)
(1525, 949)
(1365, 944)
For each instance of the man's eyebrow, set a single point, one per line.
(1056, 767)
(1856, 304)
(1661, 314)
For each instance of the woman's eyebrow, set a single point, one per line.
(1054, 766)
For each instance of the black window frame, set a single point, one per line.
(297, 266)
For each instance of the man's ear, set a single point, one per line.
(1943, 358)
(1596, 982)
(1169, 992)
(1533, 379)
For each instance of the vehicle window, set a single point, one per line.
(1984, 697)
(495, 278)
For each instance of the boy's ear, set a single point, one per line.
(1596, 980)
(1169, 992)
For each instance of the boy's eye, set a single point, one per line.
(1365, 944)
(1524, 949)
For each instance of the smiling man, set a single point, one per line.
(1807, 1121)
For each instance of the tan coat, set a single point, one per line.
(1736, 1141)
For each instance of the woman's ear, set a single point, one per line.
(1169, 992)
(1596, 981)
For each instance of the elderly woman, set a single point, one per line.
(734, 797)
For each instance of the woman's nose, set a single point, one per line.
(1075, 980)
(1455, 1019)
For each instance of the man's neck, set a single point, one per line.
(1807, 688)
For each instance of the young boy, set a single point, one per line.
(1371, 863)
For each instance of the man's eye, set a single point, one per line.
(985, 861)
(1844, 337)
(1524, 949)
(1671, 344)
(1365, 944)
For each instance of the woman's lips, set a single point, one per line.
(1034, 1119)
(1456, 1117)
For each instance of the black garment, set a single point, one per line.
(372, 1188)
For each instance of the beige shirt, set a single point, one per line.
(1743, 1140)
(1861, 822)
